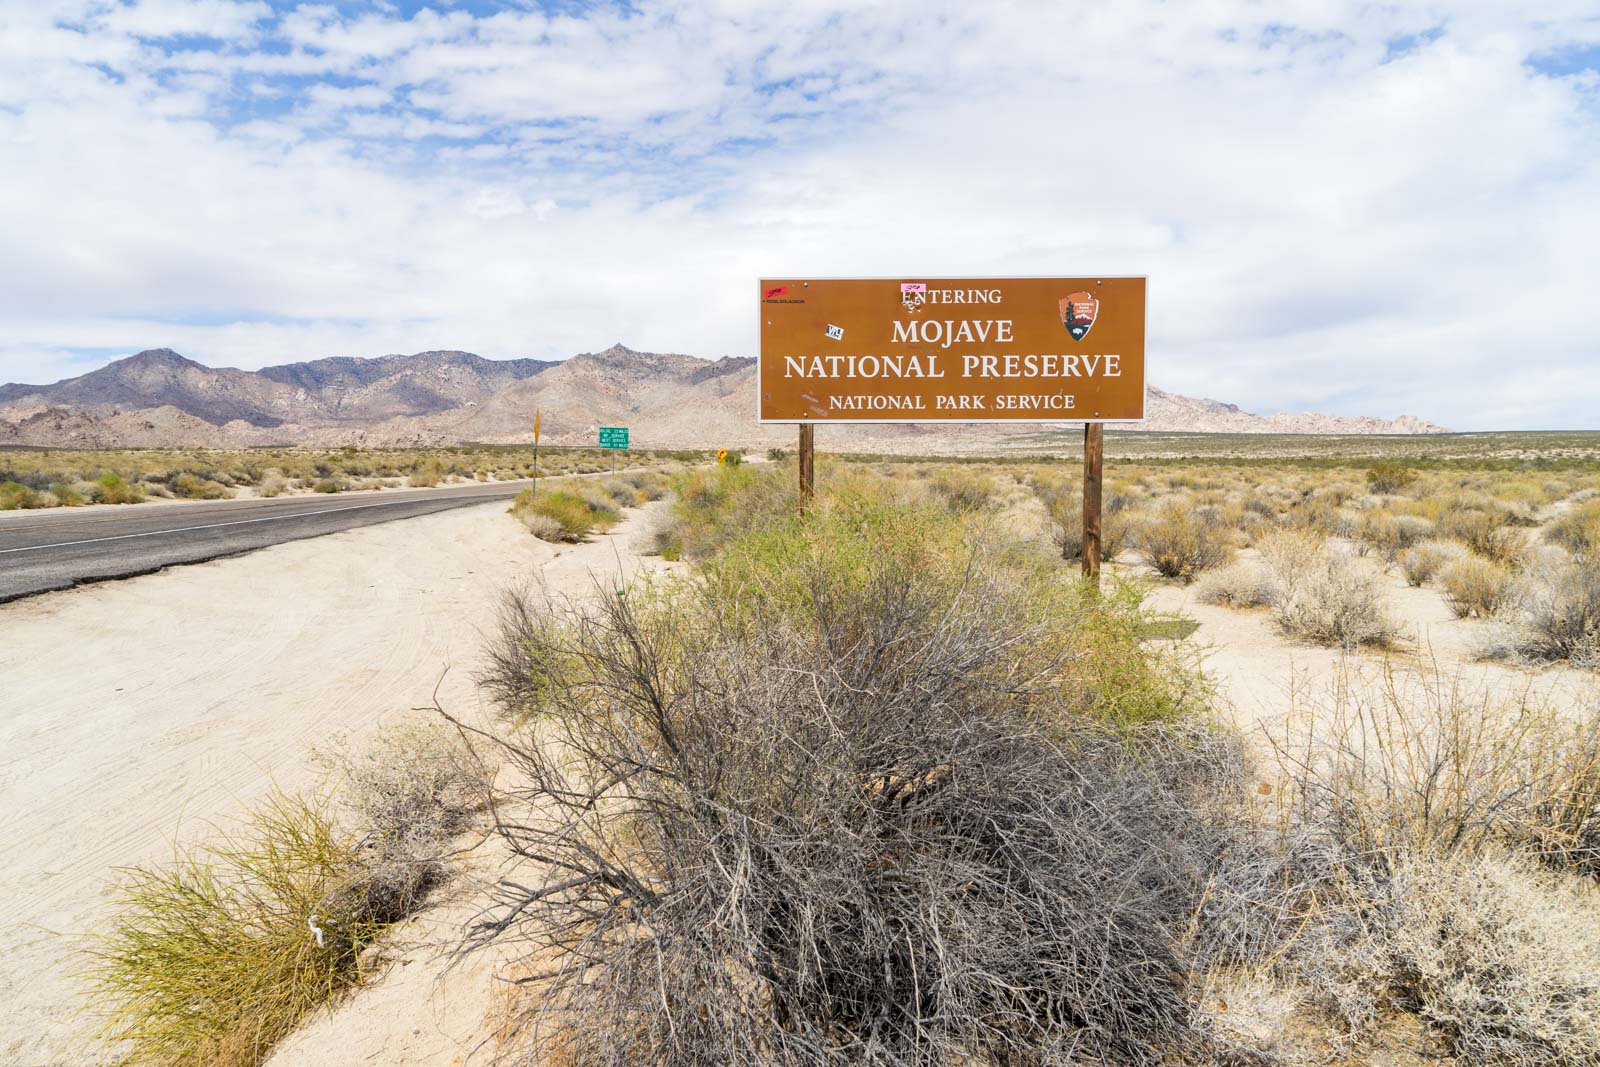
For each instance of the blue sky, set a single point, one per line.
(1347, 207)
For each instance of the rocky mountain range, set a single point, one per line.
(159, 398)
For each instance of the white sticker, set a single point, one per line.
(836, 332)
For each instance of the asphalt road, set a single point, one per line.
(57, 548)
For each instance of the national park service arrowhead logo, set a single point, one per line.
(1078, 312)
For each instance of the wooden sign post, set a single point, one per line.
(807, 471)
(1093, 464)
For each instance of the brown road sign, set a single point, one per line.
(952, 349)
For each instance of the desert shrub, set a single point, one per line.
(1501, 956)
(210, 959)
(1577, 530)
(1335, 602)
(1066, 529)
(1414, 816)
(962, 489)
(1420, 563)
(652, 485)
(714, 506)
(1475, 586)
(544, 526)
(1179, 542)
(1322, 595)
(1487, 530)
(66, 495)
(15, 496)
(1386, 477)
(194, 487)
(328, 485)
(427, 473)
(561, 514)
(272, 485)
(1552, 612)
(1392, 534)
(602, 498)
(836, 802)
(777, 455)
(410, 790)
(1243, 584)
(111, 489)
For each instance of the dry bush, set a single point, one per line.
(1386, 477)
(1475, 586)
(963, 489)
(846, 816)
(1420, 563)
(1323, 595)
(1488, 530)
(410, 790)
(1244, 584)
(1403, 807)
(1180, 542)
(1577, 530)
(562, 514)
(1336, 603)
(1501, 955)
(544, 527)
(190, 486)
(14, 496)
(112, 489)
(1551, 612)
(1392, 534)
(428, 473)
(1292, 552)
(1066, 529)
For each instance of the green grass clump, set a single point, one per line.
(1387, 477)
(67, 496)
(15, 496)
(194, 487)
(111, 489)
(214, 957)
(1578, 530)
(714, 506)
(561, 514)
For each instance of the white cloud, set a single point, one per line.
(1329, 220)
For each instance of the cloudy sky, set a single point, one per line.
(1355, 208)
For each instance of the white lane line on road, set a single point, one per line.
(235, 522)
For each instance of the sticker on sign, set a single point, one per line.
(953, 350)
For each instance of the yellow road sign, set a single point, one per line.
(722, 455)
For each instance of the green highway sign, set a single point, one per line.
(613, 437)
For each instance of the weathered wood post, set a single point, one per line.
(1093, 464)
(807, 471)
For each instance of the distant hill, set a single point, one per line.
(160, 398)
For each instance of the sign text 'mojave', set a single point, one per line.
(952, 349)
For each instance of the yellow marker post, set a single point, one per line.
(722, 456)
(536, 450)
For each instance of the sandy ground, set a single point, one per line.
(1264, 676)
(137, 710)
